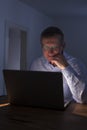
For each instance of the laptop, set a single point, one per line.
(35, 89)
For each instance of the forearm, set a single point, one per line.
(76, 84)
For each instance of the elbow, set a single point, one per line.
(82, 98)
(78, 101)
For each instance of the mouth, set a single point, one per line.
(52, 56)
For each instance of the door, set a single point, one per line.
(15, 49)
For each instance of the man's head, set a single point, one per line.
(52, 41)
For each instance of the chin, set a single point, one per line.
(48, 58)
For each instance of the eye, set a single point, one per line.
(45, 47)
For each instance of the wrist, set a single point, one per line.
(64, 66)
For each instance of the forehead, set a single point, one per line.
(49, 40)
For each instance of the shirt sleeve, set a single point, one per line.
(76, 77)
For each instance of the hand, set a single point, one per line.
(59, 61)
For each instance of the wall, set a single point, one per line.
(75, 29)
(18, 13)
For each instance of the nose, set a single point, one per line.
(51, 52)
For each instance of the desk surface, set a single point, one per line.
(27, 118)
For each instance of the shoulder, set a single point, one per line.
(75, 62)
(71, 59)
(38, 60)
(35, 65)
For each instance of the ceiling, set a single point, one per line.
(54, 8)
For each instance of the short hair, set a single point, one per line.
(52, 31)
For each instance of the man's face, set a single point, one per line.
(52, 47)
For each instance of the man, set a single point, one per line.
(55, 59)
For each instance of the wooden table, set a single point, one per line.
(27, 118)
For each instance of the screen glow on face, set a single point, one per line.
(50, 47)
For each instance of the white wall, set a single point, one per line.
(16, 12)
(75, 29)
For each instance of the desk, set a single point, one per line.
(27, 118)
